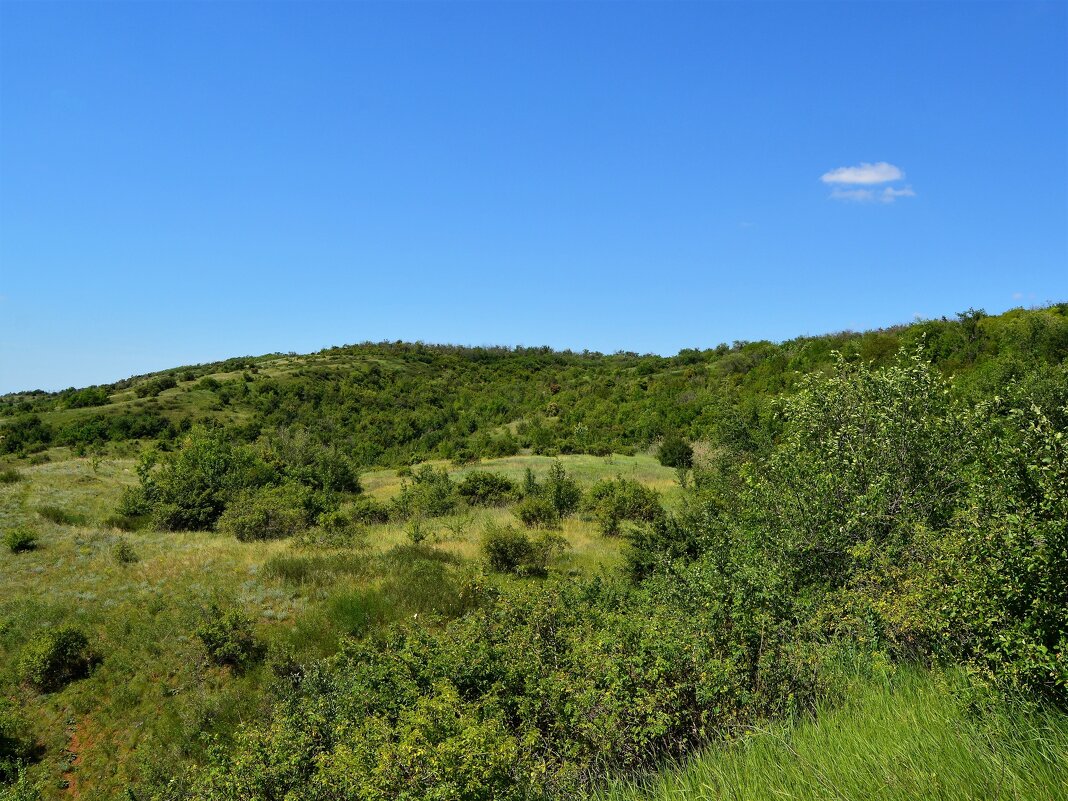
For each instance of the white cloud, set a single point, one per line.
(889, 194)
(864, 173)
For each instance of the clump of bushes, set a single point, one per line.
(228, 638)
(511, 550)
(268, 513)
(20, 539)
(153, 387)
(483, 488)
(428, 493)
(9, 475)
(368, 511)
(612, 502)
(55, 657)
(546, 502)
(537, 511)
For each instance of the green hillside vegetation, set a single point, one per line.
(412, 572)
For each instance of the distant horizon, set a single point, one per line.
(184, 181)
(517, 346)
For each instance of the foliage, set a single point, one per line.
(268, 513)
(20, 539)
(9, 475)
(191, 488)
(54, 657)
(511, 550)
(483, 488)
(123, 552)
(228, 637)
(368, 511)
(16, 741)
(429, 493)
(674, 451)
(60, 516)
(537, 511)
(612, 502)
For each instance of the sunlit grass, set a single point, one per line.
(898, 739)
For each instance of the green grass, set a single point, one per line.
(897, 739)
(153, 700)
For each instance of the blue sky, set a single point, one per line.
(186, 182)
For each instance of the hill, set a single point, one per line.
(394, 571)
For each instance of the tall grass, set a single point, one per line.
(897, 740)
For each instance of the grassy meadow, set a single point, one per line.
(154, 691)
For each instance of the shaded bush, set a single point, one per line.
(612, 502)
(268, 513)
(511, 550)
(537, 511)
(9, 475)
(482, 488)
(368, 511)
(55, 657)
(228, 638)
(16, 741)
(429, 493)
(20, 539)
(674, 451)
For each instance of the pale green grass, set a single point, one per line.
(896, 740)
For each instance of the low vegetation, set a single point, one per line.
(825, 570)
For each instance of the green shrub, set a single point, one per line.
(429, 493)
(126, 522)
(268, 513)
(482, 488)
(537, 511)
(561, 490)
(612, 502)
(190, 488)
(674, 451)
(123, 552)
(511, 550)
(9, 475)
(228, 638)
(20, 539)
(368, 511)
(55, 657)
(16, 741)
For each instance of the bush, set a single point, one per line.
(429, 493)
(537, 511)
(9, 475)
(20, 539)
(228, 638)
(123, 552)
(674, 451)
(561, 490)
(16, 742)
(269, 513)
(482, 488)
(190, 488)
(612, 502)
(55, 657)
(366, 510)
(510, 550)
